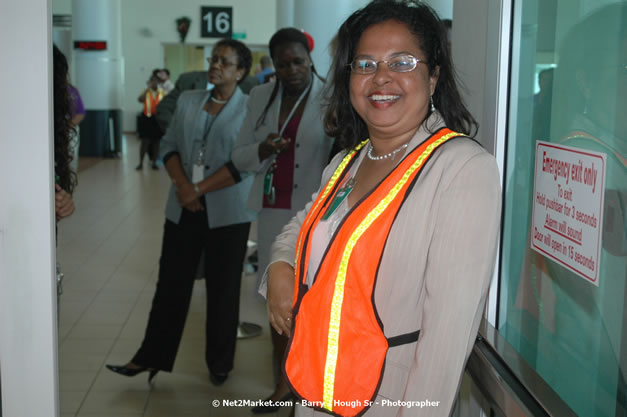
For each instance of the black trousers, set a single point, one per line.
(183, 243)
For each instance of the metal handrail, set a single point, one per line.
(513, 392)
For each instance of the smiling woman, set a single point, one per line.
(380, 282)
(377, 95)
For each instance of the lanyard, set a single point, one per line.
(268, 181)
(210, 119)
(294, 107)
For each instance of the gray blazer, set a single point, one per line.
(184, 136)
(433, 276)
(312, 144)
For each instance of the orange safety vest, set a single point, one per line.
(151, 101)
(336, 354)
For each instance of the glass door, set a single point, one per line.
(562, 301)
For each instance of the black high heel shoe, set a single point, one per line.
(218, 379)
(126, 371)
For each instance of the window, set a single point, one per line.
(569, 90)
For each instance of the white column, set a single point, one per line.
(284, 14)
(99, 74)
(28, 333)
(322, 19)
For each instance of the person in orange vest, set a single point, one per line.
(381, 280)
(147, 128)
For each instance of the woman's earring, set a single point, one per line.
(432, 106)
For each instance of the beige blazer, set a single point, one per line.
(434, 274)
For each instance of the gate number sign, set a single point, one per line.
(217, 22)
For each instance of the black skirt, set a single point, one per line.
(148, 128)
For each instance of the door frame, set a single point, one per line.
(28, 318)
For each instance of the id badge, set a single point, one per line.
(267, 182)
(341, 195)
(198, 173)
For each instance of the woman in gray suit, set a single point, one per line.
(380, 282)
(282, 142)
(206, 210)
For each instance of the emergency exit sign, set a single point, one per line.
(216, 22)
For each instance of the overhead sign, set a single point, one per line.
(567, 217)
(90, 45)
(216, 22)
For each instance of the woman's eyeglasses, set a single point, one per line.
(400, 63)
(220, 60)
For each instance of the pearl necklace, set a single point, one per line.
(215, 100)
(386, 156)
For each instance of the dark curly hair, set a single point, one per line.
(244, 57)
(280, 38)
(341, 120)
(63, 129)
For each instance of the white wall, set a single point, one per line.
(147, 24)
(468, 44)
(444, 8)
(28, 336)
(61, 7)
(322, 19)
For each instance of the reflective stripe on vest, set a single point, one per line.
(151, 101)
(335, 324)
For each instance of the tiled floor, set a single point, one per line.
(108, 251)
